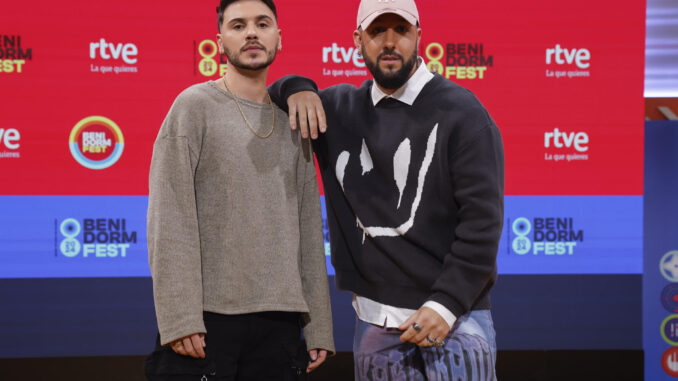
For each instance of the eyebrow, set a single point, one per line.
(258, 18)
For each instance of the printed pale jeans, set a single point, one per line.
(469, 353)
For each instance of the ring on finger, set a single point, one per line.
(178, 345)
(434, 342)
(416, 327)
(439, 343)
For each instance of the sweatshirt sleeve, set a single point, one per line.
(477, 176)
(287, 86)
(173, 237)
(317, 324)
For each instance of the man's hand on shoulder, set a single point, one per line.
(317, 356)
(425, 328)
(191, 345)
(307, 108)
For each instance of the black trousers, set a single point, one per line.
(250, 347)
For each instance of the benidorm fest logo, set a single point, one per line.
(96, 142)
(208, 61)
(459, 60)
(13, 55)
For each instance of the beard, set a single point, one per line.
(234, 59)
(390, 80)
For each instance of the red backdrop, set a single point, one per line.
(596, 105)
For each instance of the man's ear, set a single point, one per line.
(279, 40)
(357, 38)
(220, 45)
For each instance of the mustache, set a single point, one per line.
(253, 43)
(391, 53)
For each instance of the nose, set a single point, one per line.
(390, 39)
(251, 32)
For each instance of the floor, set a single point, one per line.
(511, 366)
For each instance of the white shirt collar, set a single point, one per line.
(408, 92)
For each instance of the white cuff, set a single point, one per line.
(442, 311)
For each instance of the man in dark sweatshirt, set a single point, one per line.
(413, 171)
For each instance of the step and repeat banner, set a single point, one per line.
(85, 86)
(660, 280)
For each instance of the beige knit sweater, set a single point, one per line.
(234, 223)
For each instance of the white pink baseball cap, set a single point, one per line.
(371, 9)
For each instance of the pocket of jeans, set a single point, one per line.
(164, 363)
(295, 360)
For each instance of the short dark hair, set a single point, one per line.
(225, 3)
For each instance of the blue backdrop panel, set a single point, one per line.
(73, 236)
(568, 312)
(572, 235)
(77, 317)
(105, 236)
(115, 316)
(660, 279)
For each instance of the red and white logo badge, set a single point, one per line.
(96, 142)
(670, 361)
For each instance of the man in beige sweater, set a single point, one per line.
(234, 225)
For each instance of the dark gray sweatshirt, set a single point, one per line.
(414, 194)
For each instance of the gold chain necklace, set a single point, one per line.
(243, 114)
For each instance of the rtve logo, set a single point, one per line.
(108, 50)
(563, 56)
(9, 138)
(578, 140)
(343, 55)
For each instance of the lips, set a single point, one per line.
(389, 60)
(252, 48)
